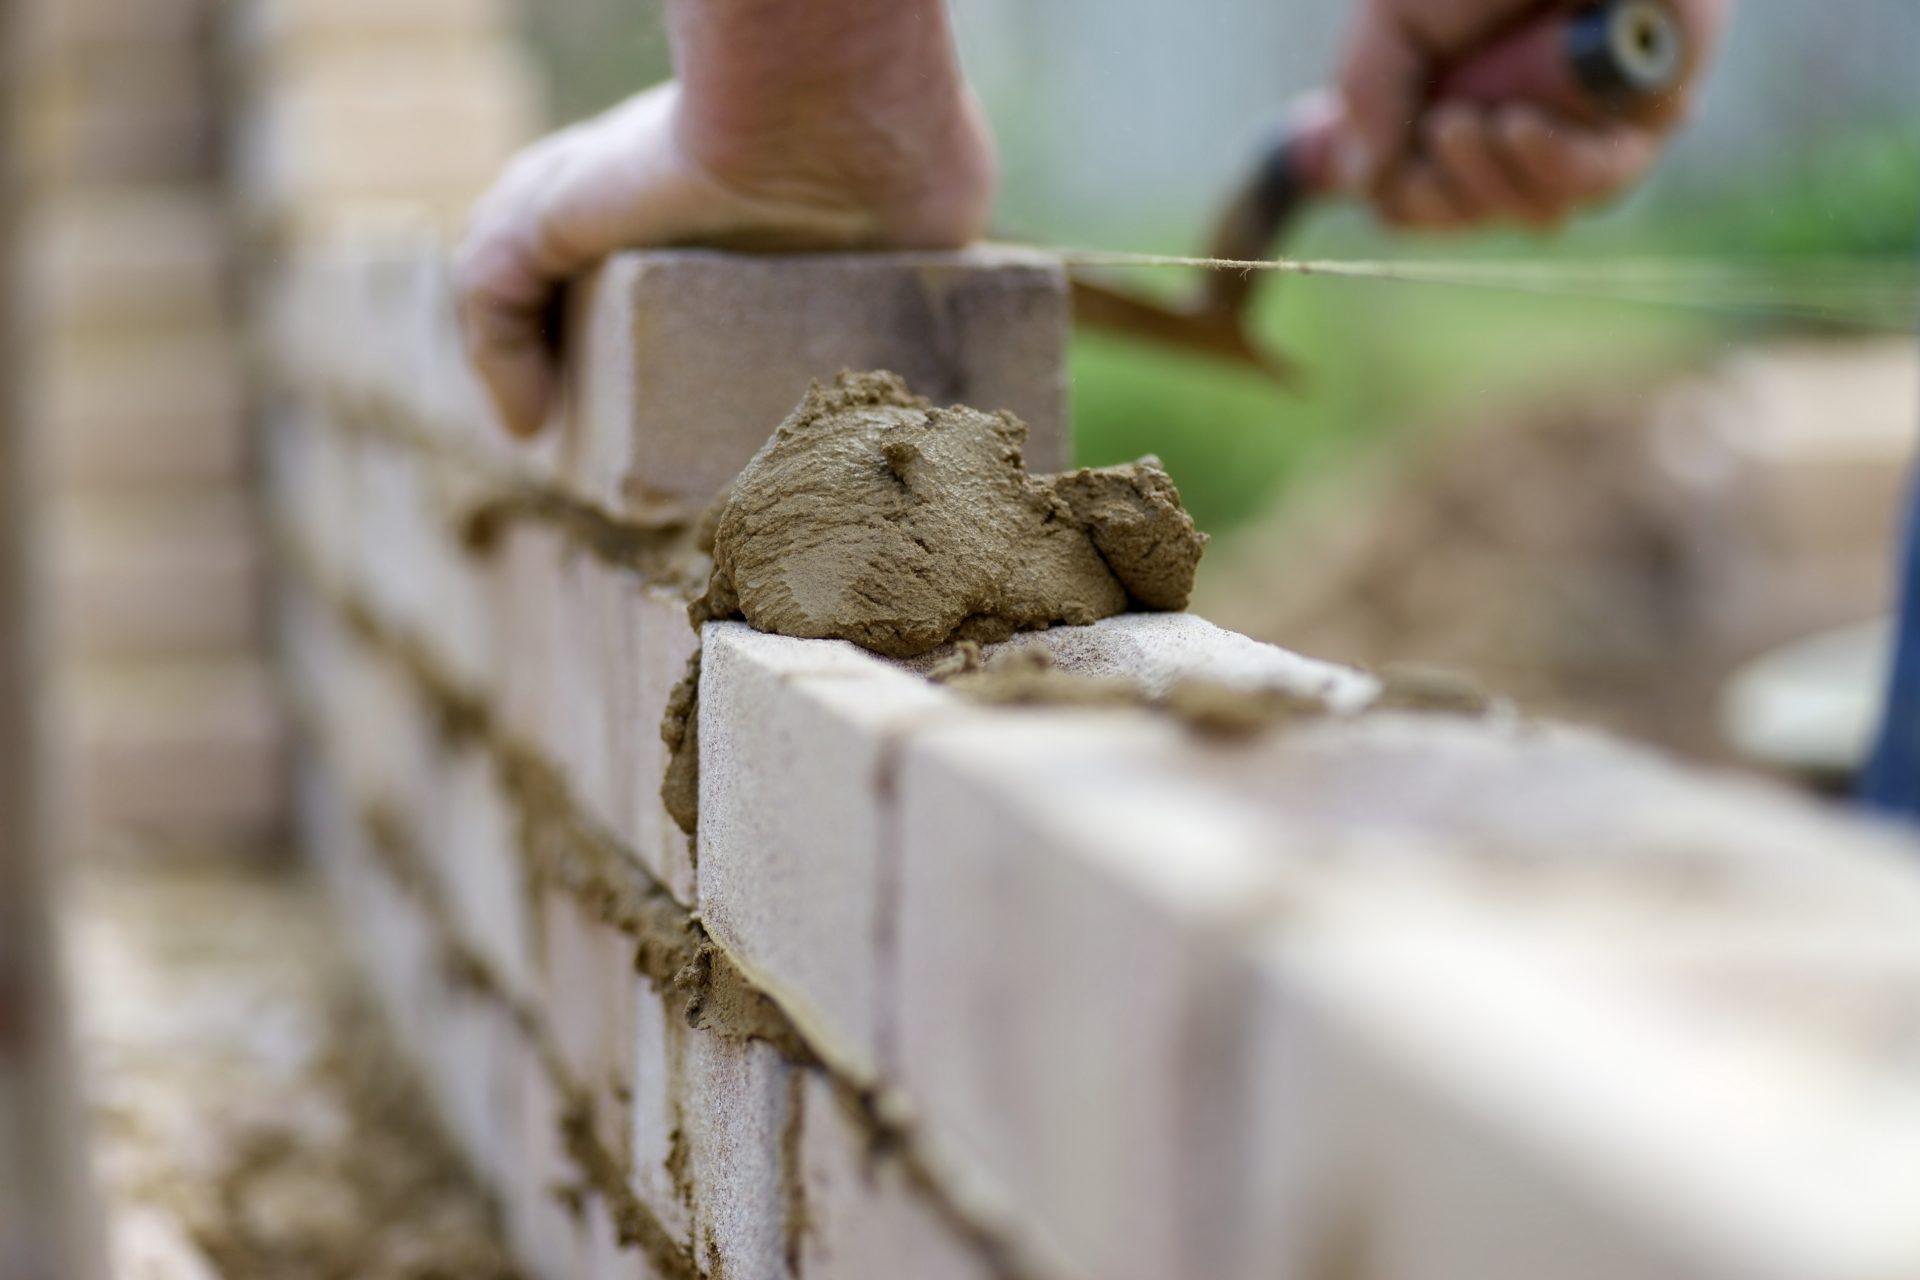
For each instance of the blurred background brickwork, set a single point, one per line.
(170, 144)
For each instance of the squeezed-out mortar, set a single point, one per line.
(872, 516)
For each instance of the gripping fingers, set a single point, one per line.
(1467, 150)
(1571, 164)
(1417, 198)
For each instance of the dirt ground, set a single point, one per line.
(252, 1121)
(1611, 555)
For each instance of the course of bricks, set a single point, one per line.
(169, 142)
(948, 990)
(139, 395)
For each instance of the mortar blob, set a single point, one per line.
(872, 516)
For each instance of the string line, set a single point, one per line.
(1873, 294)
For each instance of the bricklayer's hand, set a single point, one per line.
(1451, 166)
(791, 127)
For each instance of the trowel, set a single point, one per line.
(1615, 60)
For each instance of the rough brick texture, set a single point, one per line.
(688, 356)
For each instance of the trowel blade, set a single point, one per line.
(1099, 305)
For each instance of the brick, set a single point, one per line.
(603, 1257)
(177, 749)
(863, 1219)
(618, 650)
(589, 994)
(383, 734)
(484, 871)
(689, 359)
(427, 124)
(314, 653)
(736, 1103)
(310, 500)
(168, 574)
(1581, 907)
(398, 948)
(580, 723)
(547, 1231)
(125, 115)
(78, 28)
(796, 740)
(645, 643)
(100, 439)
(659, 1124)
(132, 257)
(159, 410)
(1068, 1003)
(1583, 1129)
(280, 23)
(1489, 794)
(471, 1051)
(329, 835)
(396, 543)
(459, 588)
(529, 624)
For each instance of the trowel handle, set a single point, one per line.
(1597, 62)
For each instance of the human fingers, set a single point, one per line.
(505, 287)
(1418, 198)
(1466, 146)
(1571, 165)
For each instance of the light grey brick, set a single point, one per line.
(660, 1126)
(425, 124)
(795, 744)
(125, 114)
(132, 258)
(529, 621)
(542, 1203)
(393, 536)
(589, 996)
(309, 24)
(1067, 995)
(177, 749)
(646, 641)
(160, 574)
(156, 410)
(736, 1102)
(690, 359)
(484, 874)
(167, 27)
(862, 1217)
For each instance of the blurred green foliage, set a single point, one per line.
(1854, 195)
(1377, 359)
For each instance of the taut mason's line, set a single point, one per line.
(1878, 295)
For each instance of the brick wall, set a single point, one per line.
(942, 989)
(138, 390)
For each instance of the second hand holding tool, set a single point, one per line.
(1598, 63)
